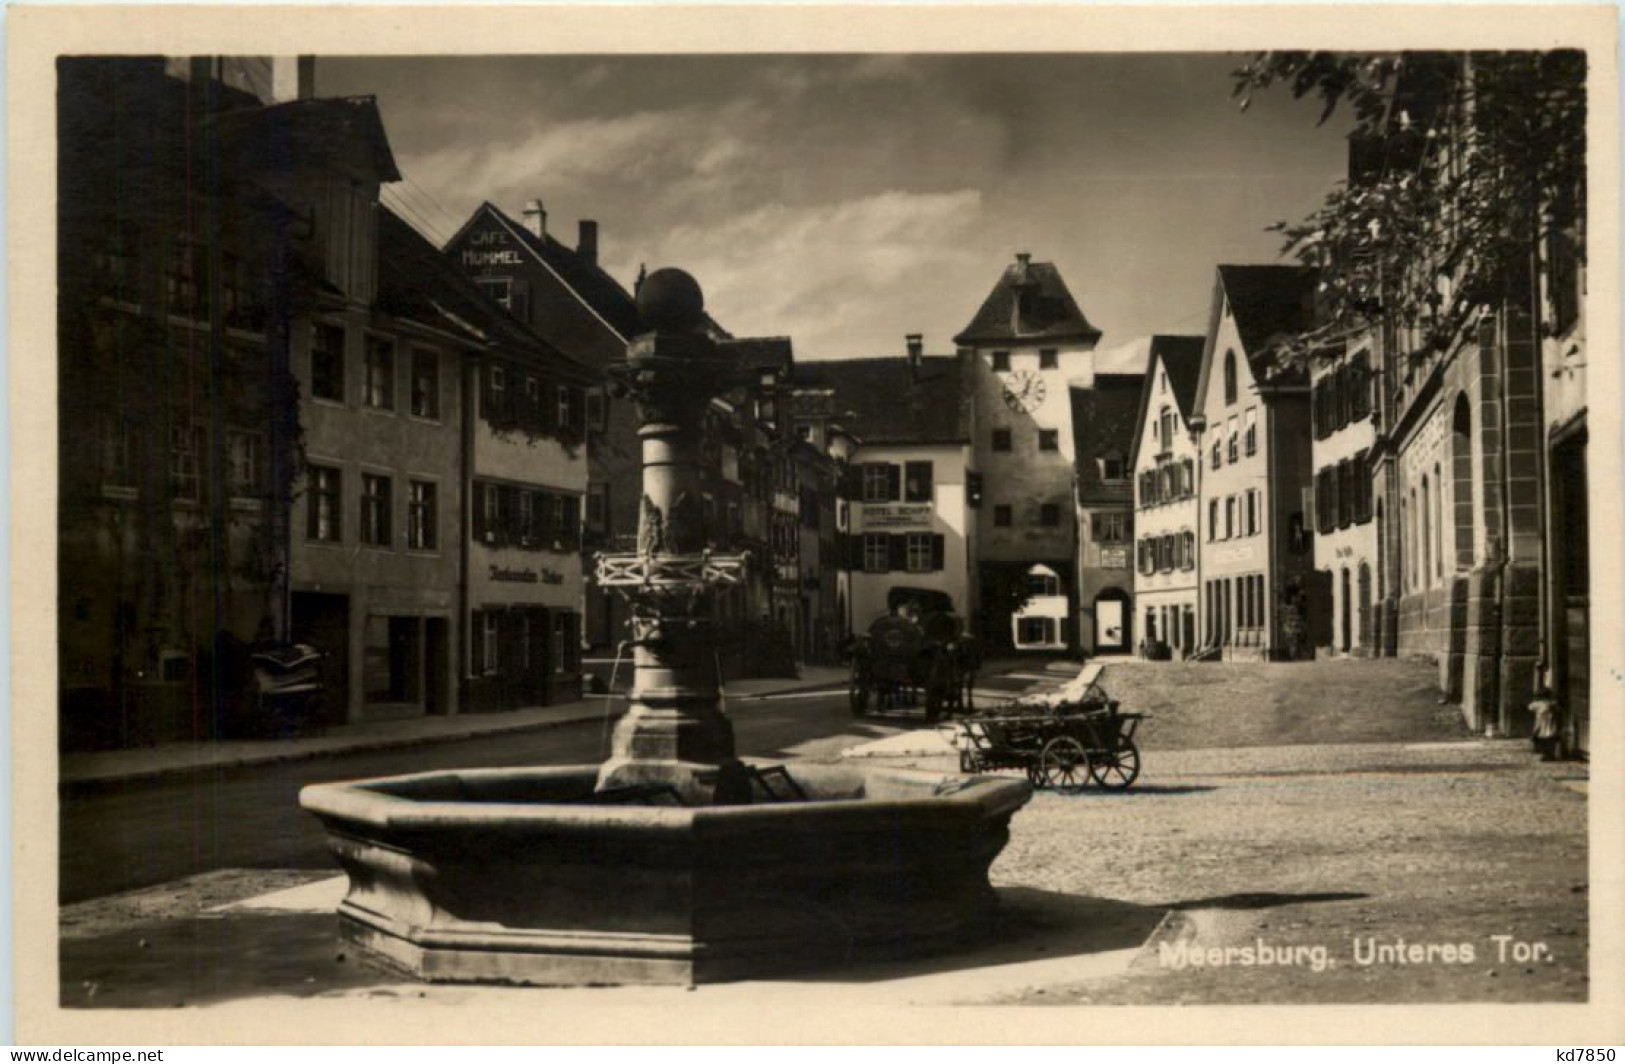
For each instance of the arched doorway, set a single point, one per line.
(1114, 622)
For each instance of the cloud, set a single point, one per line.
(839, 278)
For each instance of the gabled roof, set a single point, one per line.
(1181, 359)
(1266, 302)
(602, 294)
(1029, 303)
(1103, 425)
(880, 401)
(417, 282)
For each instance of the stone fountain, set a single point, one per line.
(674, 861)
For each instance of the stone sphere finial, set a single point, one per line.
(670, 300)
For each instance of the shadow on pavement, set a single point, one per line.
(1262, 900)
(230, 956)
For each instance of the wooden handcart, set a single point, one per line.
(1061, 743)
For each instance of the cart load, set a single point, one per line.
(1062, 739)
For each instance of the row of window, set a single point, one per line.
(523, 641)
(1169, 482)
(1234, 604)
(188, 450)
(1241, 433)
(324, 509)
(513, 398)
(889, 482)
(328, 373)
(1048, 358)
(510, 515)
(1167, 552)
(1242, 514)
(1342, 396)
(117, 265)
(1343, 494)
(1048, 440)
(912, 552)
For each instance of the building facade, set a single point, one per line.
(908, 495)
(177, 282)
(1166, 465)
(578, 309)
(1344, 518)
(1256, 545)
(1103, 425)
(1028, 346)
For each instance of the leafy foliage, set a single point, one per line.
(1459, 165)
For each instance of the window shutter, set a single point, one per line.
(939, 551)
(577, 401)
(487, 403)
(851, 485)
(897, 551)
(894, 485)
(476, 642)
(477, 505)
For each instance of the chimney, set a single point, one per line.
(293, 78)
(916, 349)
(587, 245)
(536, 218)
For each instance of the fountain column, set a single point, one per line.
(674, 727)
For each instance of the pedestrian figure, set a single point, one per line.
(1546, 736)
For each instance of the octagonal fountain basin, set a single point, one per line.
(513, 876)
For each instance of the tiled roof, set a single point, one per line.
(417, 282)
(880, 401)
(1267, 302)
(1103, 425)
(324, 131)
(1181, 357)
(1030, 303)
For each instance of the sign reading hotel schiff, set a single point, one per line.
(897, 515)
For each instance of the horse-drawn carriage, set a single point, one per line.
(918, 654)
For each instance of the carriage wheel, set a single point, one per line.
(1064, 764)
(859, 698)
(1117, 769)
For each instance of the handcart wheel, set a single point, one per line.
(860, 698)
(1065, 764)
(1116, 770)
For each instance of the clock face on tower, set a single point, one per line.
(1024, 391)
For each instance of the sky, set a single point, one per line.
(847, 200)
